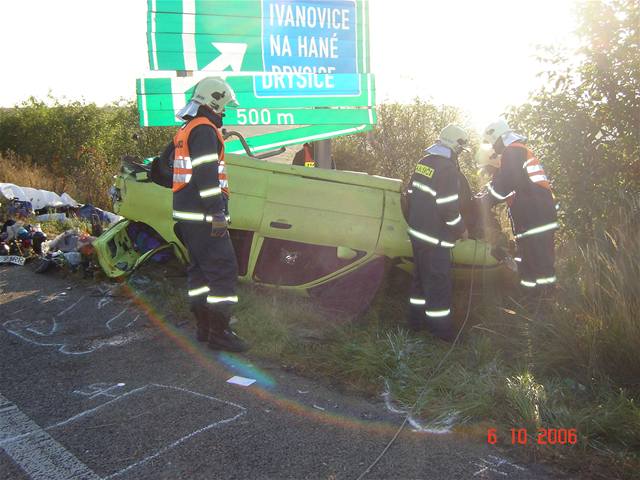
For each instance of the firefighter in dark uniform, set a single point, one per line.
(523, 184)
(200, 199)
(435, 224)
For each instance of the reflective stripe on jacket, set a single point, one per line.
(183, 164)
(434, 203)
(533, 167)
(523, 184)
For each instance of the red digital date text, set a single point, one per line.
(543, 436)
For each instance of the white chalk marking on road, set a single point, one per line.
(389, 404)
(103, 301)
(163, 450)
(35, 451)
(66, 349)
(493, 464)
(108, 324)
(186, 437)
(19, 335)
(91, 410)
(54, 326)
(41, 334)
(440, 427)
(70, 307)
(132, 321)
(52, 297)
(99, 389)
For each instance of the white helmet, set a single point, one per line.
(487, 156)
(215, 93)
(495, 130)
(455, 137)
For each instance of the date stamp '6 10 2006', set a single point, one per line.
(543, 436)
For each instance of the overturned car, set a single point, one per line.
(327, 234)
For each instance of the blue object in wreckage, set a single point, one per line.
(87, 211)
(19, 208)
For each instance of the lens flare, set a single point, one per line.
(224, 364)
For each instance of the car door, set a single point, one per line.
(314, 229)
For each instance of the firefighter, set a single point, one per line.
(520, 180)
(304, 156)
(200, 199)
(435, 224)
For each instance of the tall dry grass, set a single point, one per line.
(22, 172)
(87, 184)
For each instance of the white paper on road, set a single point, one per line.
(242, 381)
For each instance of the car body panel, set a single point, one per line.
(298, 228)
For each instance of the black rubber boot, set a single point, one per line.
(221, 337)
(201, 312)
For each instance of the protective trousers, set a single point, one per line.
(536, 258)
(213, 270)
(430, 301)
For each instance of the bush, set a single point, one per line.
(73, 146)
(398, 141)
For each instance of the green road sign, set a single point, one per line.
(302, 62)
(313, 133)
(160, 98)
(306, 36)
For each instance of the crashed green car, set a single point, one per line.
(327, 234)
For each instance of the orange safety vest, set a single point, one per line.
(534, 168)
(182, 168)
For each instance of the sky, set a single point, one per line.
(477, 55)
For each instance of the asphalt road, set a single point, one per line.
(96, 385)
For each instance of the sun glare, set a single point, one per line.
(479, 56)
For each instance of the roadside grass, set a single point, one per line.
(571, 362)
(481, 385)
(23, 172)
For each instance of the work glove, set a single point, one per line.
(218, 225)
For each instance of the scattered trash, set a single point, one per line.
(318, 407)
(73, 258)
(89, 212)
(303, 392)
(70, 260)
(38, 199)
(242, 381)
(69, 241)
(52, 217)
(17, 238)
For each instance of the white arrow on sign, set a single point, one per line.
(231, 55)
